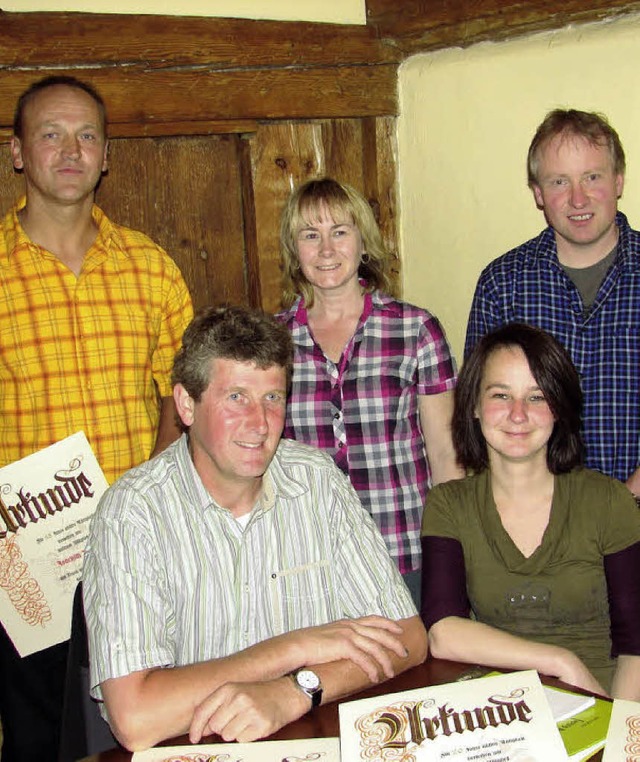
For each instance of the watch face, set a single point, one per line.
(308, 679)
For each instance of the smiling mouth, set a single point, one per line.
(328, 268)
(580, 217)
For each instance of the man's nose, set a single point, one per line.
(71, 146)
(578, 196)
(258, 417)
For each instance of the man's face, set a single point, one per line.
(578, 190)
(63, 148)
(235, 428)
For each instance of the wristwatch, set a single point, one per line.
(309, 683)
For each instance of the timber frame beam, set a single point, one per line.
(167, 70)
(416, 26)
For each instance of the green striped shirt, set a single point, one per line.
(171, 578)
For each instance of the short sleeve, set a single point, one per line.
(620, 519)
(442, 512)
(128, 616)
(177, 312)
(436, 365)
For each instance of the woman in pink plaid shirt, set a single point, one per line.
(373, 375)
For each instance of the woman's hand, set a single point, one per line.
(572, 670)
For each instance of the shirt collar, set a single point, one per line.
(107, 244)
(276, 482)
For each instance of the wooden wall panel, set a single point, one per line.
(380, 178)
(11, 182)
(185, 194)
(280, 156)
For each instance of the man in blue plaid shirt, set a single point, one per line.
(579, 280)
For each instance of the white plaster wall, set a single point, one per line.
(334, 11)
(467, 118)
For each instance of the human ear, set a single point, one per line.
(537, 194)
(16, 153)
(185, 405)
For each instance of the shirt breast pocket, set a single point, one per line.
(301, 596)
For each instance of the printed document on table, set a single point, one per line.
(46, 502)
(623, 738)
(505, 718)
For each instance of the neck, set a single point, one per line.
(581, 256)
(516, 479)
(66, 231)
(337, 304)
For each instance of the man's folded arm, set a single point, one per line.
(148, 706)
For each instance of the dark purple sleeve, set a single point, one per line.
(444, 580)
(622, 570)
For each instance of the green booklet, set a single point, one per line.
(586, 731)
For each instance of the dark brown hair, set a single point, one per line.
(555, 374)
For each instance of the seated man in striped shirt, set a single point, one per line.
(235, 581)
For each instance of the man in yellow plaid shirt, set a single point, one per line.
(91, 315)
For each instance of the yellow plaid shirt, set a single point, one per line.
(92, 352)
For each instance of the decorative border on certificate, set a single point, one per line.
(46, 502)
(623, 738)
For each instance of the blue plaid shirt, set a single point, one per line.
(529, 285)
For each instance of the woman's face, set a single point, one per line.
(514, 416)
(329, 251)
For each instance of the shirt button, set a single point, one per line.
(340, 445)
(336, 416)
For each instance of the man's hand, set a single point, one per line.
(366, 642)
(244, 712)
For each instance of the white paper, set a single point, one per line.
(565, 704)
(491, 719)
(304, 750)
(46, 502)
(623, 738)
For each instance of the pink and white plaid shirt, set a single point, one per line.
(364, 409)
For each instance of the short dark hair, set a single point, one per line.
(555, 374)
(230, 333)
(590, 125)
(53, 81)
(343, 202)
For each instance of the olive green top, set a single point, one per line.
(559, 594)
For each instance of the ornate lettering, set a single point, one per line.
(69, 489)
(446, 721)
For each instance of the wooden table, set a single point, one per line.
(323, 722)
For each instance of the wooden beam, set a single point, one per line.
(417, 25)
(161, 96)
(46, 40)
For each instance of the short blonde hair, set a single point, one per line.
(344, 203)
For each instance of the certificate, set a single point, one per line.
(46, 502)
(506, 718)
(304, 750)
(623, 738)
